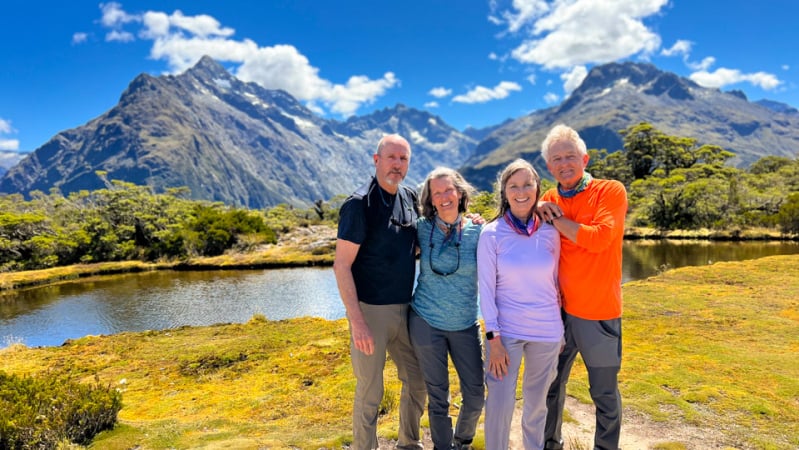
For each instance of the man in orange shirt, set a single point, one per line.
(589, 214)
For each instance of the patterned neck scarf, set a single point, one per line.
(525, 229)
(449, 227)
(584, 182)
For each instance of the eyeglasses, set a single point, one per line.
(405, 221)
(401, 224)
(457, 248)
(407, 218)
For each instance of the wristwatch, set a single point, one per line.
(492, 334)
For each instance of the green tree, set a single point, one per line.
(769, 164)
(20, 234)
(483, 203)
(641, 148)
(612, 166)
(712, 155)
(648, 149)
(284, 217)
(788, 216)
(214, 229)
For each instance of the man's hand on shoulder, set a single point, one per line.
(476, 218)
(548, 211)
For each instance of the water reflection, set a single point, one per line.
(166, 299)
(52, 314)
(642, 259)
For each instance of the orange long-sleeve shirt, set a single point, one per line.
(590, 269)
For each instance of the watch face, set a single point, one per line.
(490, 335)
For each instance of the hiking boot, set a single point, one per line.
(463, 445)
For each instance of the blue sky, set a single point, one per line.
(472, 62)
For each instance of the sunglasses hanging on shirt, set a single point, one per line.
(456, 244)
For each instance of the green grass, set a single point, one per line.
(718, 346)
(714, 346)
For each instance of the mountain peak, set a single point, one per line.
(654, 81)
(607, 75)
(738, 93)
(778, 107)
(228, 140)
(209, 69)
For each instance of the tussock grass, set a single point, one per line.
(716, 346)
(30, 278)
(749, 234)
(270, 258)
(260, 384)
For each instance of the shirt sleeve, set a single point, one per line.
(608, 221)
(487, 278)
(352, 221)
(556, 254)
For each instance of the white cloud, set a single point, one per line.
(201, 26)
(531, 78)
(5, 126)
(551, 98)
(564, 34)
(9, 144)
(722, 77)
(79, 38)
(573, 78)
(481, 94)
(114, 16)
(182, 40)
(315, 108)
(431, 105)
(283, 67)
(681, 47)
(786, 67)
(526, 11)
(703, 65)
(440, 92)
(119, 36)
(359, 90)
(156, 24)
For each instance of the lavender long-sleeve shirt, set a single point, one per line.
(518, 282)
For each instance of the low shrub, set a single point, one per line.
(209, 363)
(44, 411)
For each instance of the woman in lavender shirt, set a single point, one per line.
(517, 265)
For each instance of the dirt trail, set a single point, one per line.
(638, 432)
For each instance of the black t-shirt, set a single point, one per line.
(384, 226)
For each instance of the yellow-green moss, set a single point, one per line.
(715, 346)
